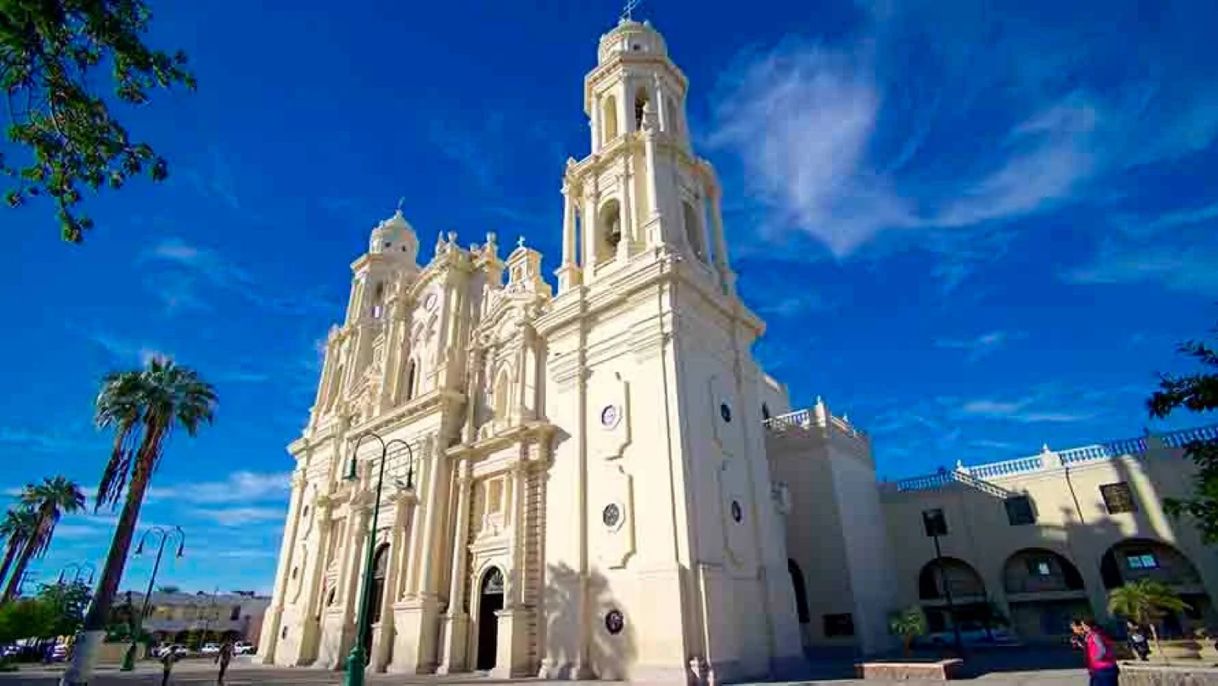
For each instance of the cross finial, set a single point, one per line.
(520, 242)
(400, 201)
(628, 10)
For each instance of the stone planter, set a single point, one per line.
(1149, 674)
(931, 670)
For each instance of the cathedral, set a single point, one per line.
(601, 483)
(575, 483)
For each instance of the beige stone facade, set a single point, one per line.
(576, 483)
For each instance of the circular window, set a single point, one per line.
(737, 513)
(615, 622)
(610, 416)
(611, 515)
(725, 412)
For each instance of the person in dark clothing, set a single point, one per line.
(1138, 644)
(169, 657)
(224, 657)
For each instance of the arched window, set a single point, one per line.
(801, 593)
(640, 106)
(610, 231)
(378, 297)
(502, 386)
(609, 119)
(693, 229)
(672, 123)
(380, 567)
(407, 391)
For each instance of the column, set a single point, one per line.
(456, 625)
(569, 272)
(721, 260)
(623, 246)
(270, 632)
(590, 226)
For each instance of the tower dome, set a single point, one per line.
(631, 37)
(395, 238)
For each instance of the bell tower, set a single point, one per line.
(641, 188)
(670, 564)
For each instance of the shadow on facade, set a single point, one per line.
(607, 627)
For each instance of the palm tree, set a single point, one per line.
(1145, 601)
(908, 624)
(142, 407)
(48, 501)
(16, 528)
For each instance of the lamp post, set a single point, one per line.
(356, 660)
(164, 535)
(936, 526)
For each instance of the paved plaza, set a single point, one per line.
(199, 672)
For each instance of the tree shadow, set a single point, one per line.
(607, 629)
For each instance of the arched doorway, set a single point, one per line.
(1044, 590)
(950, 574)
(801, 592)
(490, 601)
(376, 595)
(1140, 558)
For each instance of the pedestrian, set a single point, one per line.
(1097, 651)
(1137, 641)
(168, 657)
(223, 658)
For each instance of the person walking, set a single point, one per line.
(168, 657)
(224, 657)
(1098, 652)
(1137, 641)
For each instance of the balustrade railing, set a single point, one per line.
(1136, 447)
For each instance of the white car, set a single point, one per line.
(176, 648)
(244, 648)
(210, 649)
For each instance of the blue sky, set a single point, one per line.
(972, 230)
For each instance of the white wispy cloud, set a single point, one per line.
(239, 487)
(1021, 410)
(979, 346)
(127, 350)
(49, 441)
(239, 516)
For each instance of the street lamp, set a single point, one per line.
(164, 535)
(356, 660)
(936, 525)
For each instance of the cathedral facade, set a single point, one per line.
(576, 483)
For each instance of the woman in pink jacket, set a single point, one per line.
(1099, 652)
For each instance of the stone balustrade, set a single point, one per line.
(1136, 447)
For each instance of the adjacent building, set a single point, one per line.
(175, 617)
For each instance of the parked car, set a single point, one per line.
(9, 650)
(244, 648)
(971, 634)
(176, 648)
(210, 649)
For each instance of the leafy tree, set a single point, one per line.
(1145, 601)
(142, 407)
(49, 52)
(1197, 392)
(26, 618)
(68, 600)
(48, 500)
(909, 624)
(18, 526)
